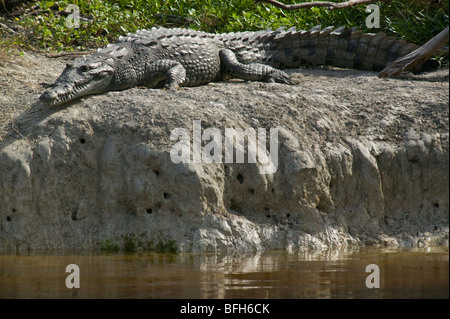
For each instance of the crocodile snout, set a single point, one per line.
(56, 94)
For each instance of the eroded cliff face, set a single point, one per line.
(359, 161)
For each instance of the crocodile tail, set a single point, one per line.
(341, 47)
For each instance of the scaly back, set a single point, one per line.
(292, 48)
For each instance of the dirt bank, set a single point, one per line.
(360, 161)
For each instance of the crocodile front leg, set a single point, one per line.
(171, 71)
(231, 67)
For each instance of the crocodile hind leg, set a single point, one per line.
(171, 71)
(231, 67)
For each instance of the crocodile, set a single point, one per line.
(173, 58)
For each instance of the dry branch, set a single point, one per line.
(416, 57)
(328, 4)
(4, 26)
(61, 54)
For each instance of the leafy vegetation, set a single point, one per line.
(109, 246)
(102, 21)
(132, 243)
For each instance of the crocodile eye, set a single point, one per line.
(84, 68)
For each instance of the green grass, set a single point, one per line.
(415, 21)
(109, 246)
(132, 243)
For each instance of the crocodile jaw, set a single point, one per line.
(64, 92)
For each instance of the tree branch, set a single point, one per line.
(416, 57)
(4, 26)
(328, 4)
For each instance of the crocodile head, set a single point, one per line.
(90, 74)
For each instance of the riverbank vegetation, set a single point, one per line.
(43, 25)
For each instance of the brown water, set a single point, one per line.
(404, 273)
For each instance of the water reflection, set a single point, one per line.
(404, 273)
